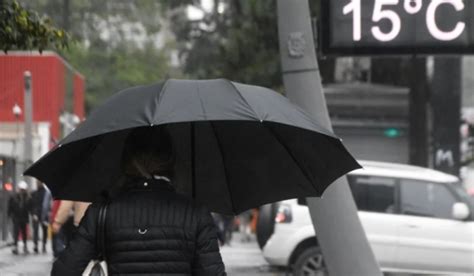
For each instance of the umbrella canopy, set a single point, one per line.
(237, 146)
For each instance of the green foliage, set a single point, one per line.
(235, 39)
(110, 71)
(239, 42)
(87, 20)
(24, 29)
(115, 46)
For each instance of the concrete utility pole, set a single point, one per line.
(28, 148)
(339, 232)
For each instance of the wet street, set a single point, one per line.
(246, 259)
(24, 265)
(239, 258)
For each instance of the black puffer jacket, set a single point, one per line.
(151, 230)
(19, 207)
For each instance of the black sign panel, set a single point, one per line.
(372, 27)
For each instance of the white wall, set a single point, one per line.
(12, 142)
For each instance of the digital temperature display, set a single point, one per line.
(374, 27)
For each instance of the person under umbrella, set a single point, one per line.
(236, 147)
(149, 227)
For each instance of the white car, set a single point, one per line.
(417, 220)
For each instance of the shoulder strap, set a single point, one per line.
(100, 235)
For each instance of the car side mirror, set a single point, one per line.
(460, 211)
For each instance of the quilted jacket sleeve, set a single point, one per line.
(81, 249)
(207, 259)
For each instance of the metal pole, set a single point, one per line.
(446, 107)
(418, 127)
(28, 148)
(339, 232)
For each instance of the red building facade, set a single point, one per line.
(57, 88)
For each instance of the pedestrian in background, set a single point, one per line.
(149, 228)
(244, 225)
(229, 224)
(19, 209)
(219, 223)
(41, 207)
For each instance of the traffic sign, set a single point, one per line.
(371, 27)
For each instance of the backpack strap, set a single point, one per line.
(100, 234)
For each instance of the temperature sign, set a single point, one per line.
(374, 27)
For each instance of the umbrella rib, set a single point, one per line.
(288, 151)
(193, 162)
(245, 100)
(201, 101)
(160, 96)
(224, 165)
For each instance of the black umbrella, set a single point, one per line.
(237, 146)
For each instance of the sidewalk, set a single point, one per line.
(3, 244)
(246, 259)
(239, 258)
(25, 265)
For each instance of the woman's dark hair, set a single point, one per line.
(148, 151)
